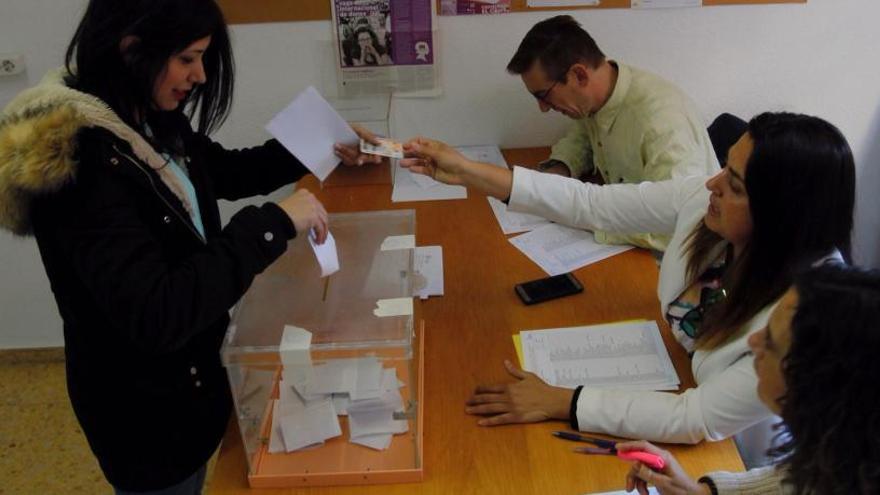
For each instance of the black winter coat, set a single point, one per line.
(145, 300)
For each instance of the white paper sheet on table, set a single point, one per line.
(327, 255)
(428, 263)
(308, 128)
(407, 189)
(511, 222)
(484, 153)
(627, 355)
(558, 249)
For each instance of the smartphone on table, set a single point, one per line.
(545, 289)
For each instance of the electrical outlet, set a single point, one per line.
(11, 64)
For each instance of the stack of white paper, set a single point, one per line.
(409, 186)
(558, 249)
(371, 422)
(628, 355)
(312, 396)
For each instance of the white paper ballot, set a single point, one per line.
(340, 403)
(328, 257)
(401, 306)
(376, 442)
(395, 242)
(374, 422)
(512, 222)
(341, 376)
(295, 346)
(406, 188)
(308, 128)
(313, 424)
(424, 181)
(428, 262)
(558, 249)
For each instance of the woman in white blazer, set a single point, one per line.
(784, 202)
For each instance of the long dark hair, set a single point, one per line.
(831, 370)
(374, 40)
(124, 79)
(800, 180)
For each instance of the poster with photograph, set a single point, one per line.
(385, 42)
(469, 7)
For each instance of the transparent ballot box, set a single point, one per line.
(344, 407)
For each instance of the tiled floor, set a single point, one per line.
(42, 449)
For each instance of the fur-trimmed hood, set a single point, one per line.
(38, 146)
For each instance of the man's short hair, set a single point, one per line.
(557, 43)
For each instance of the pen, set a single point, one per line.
(567, 435)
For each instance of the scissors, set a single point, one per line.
(609, 447)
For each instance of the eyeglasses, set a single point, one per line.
(691, 321)
(542, 95)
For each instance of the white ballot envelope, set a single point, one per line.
(308, 128)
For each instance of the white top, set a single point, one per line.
(725, 400)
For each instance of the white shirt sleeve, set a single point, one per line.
(622, 208)
(718, 408)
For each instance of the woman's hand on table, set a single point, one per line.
(527, 400)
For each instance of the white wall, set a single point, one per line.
(817, 58)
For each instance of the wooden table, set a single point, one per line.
(468, 335)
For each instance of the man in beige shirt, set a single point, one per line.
(630, 125)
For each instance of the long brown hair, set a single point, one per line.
(800, 180)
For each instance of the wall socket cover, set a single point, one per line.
(11, 64)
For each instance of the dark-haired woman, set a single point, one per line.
(784, 202)
(367, 51)
(100, 164)
(817, 368)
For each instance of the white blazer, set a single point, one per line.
(725, 401)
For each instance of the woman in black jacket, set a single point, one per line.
(100, 164)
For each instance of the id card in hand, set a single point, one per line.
(386, 147)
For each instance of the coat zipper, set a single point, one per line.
(155, 190)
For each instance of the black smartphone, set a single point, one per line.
(548, 288)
